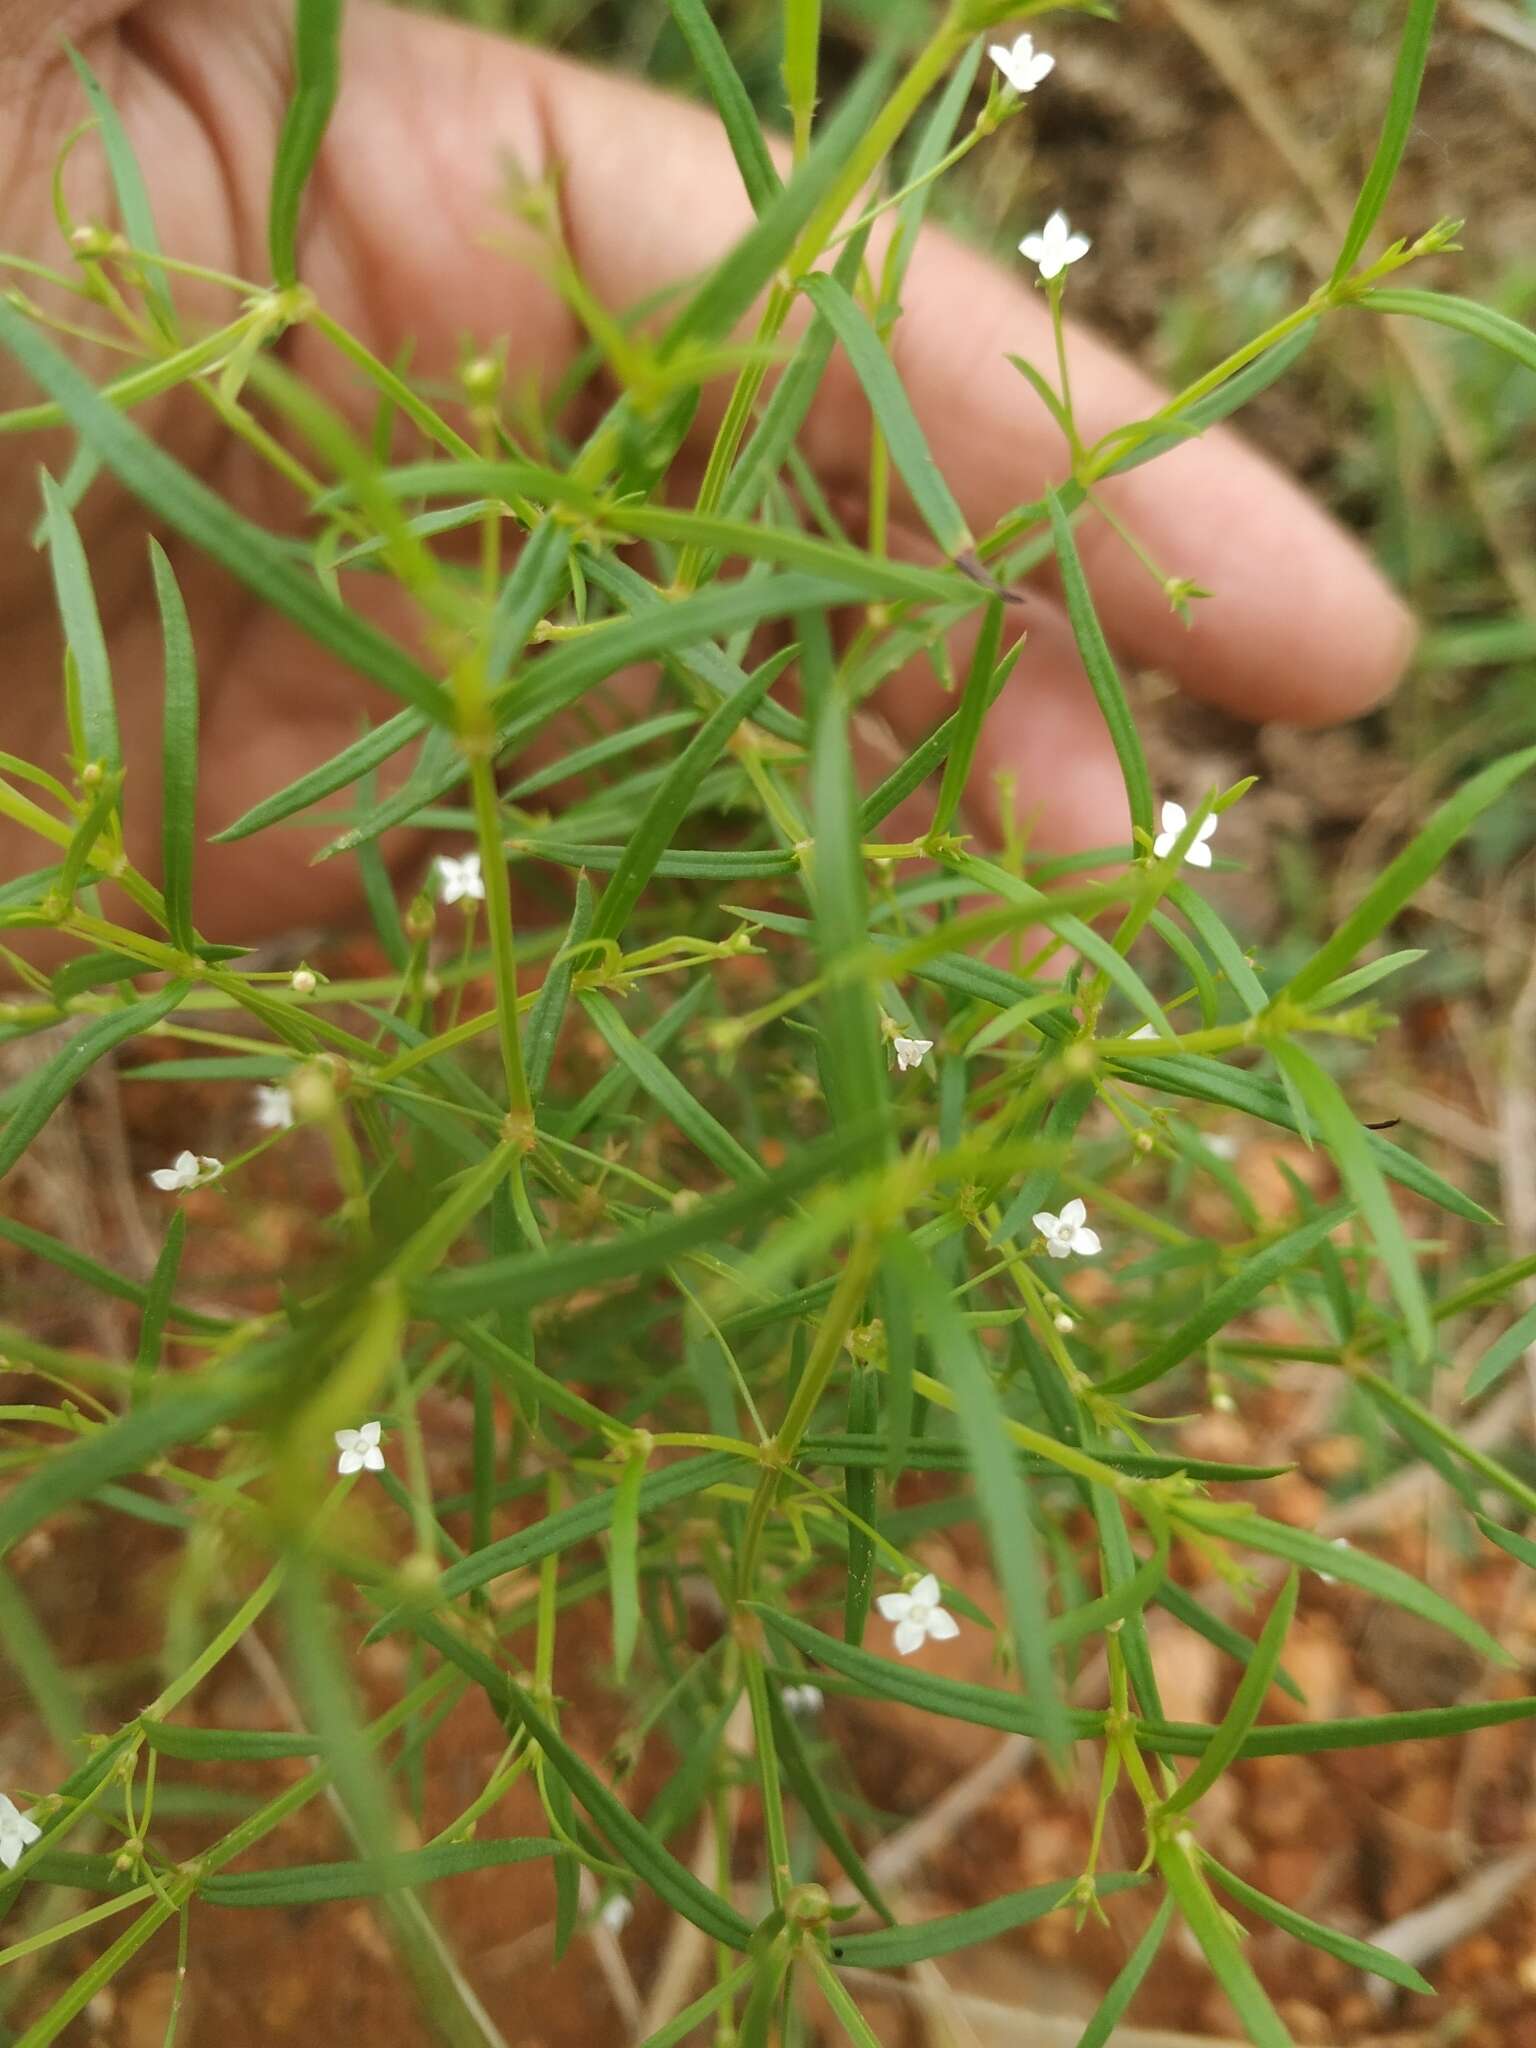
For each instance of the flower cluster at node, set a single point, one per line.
(359, 1449)
(458, 879)
(187, 1170)
(1021, 63)
(803, 1700)
(917, 1617)
(1054, 246)
(1068, 1232)
(17, 1833)
(1175, 818)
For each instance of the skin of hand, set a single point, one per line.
(408, 239)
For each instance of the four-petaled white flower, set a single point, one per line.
(17, 1833)
(1068, 1232)
(917, 1616)
(1175, 818)
(910, 1052)
(273, 1109)
(359, 1450)
(458, 878)
(1023, 66)
(1054, 246)
(616, 1913)
(189, 1170)
(802, 1699)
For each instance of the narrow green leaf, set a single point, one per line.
(543, 1029)
(937, 133)
(48, 1087)
(313, 1884)
(95, 1275)
(1247, 1701)
(1358, 1567)
(624, 1563)
(1176, 1859)
(1342, 1133)
(1258, 1272)
(178, 796)
(669, 1094)
(350, 765)
(250, 554)
(157, 1305)
(909, 450)
(132, 196)
(1403, 877)
(533, 586)
(1360, 1955)
(859, 1493)
(1407, 77)
(226, 1745)
(1483, 324)
(82, 623)
(1100, 2029)
(1099, 666)
(980, 689)
(1183, 1606)
(1002, 1500)
(737, 115)
(924, 759)
(1203, 1080)
(316, 82)
(1520, 1548)
(668, 1878)
(892, 1948)
(734, 283)
(805, 1780)
(669, 806)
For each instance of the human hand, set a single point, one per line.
(408, 239)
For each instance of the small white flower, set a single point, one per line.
(1146, 1031)
(1054, 246)
(458, 878)
(917, 1616)
(273, 1109)
(359, 1450)
(17, 1833)
(1063, 1323)
(616, 1913)
(190, 1170)
(1222, 1143)
(911, 1052)
(1328, 1578)
(1023, 66)
(304, 981)
(1068, 1232)
(803, 1700)
(1175, 818)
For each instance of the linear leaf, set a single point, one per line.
(1252, 1688)
(82, 627)
(1099, 666)
(316, 82)
(178, 796)
(1408, 76)
(48, 1087)
(735, 109)
(1360, 1955)
(132, 195)
(891, 1948)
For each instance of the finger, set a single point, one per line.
(1299, 625)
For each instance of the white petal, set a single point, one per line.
(942, 1625)
(1074, 247)
(1033, 246)
(1199, 855)
(11, 1846)
(910, 1636)
(1075, 1212)
(1175, 818)
(1059, 1248)
(373, 1459)
(370, 1432)
(894, 1606)
(1039, 67)
(349, 1462)
(1146, 1031)
(344, 1439)
(29, 1830)
(928, 1590)
(208, 1169)
(1162, 845)
(1003, 59)
(1057, 226)
(166, 1178)
(1051, 266)
(1046, 1223)
(1207, 826)
(1086, 1243)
